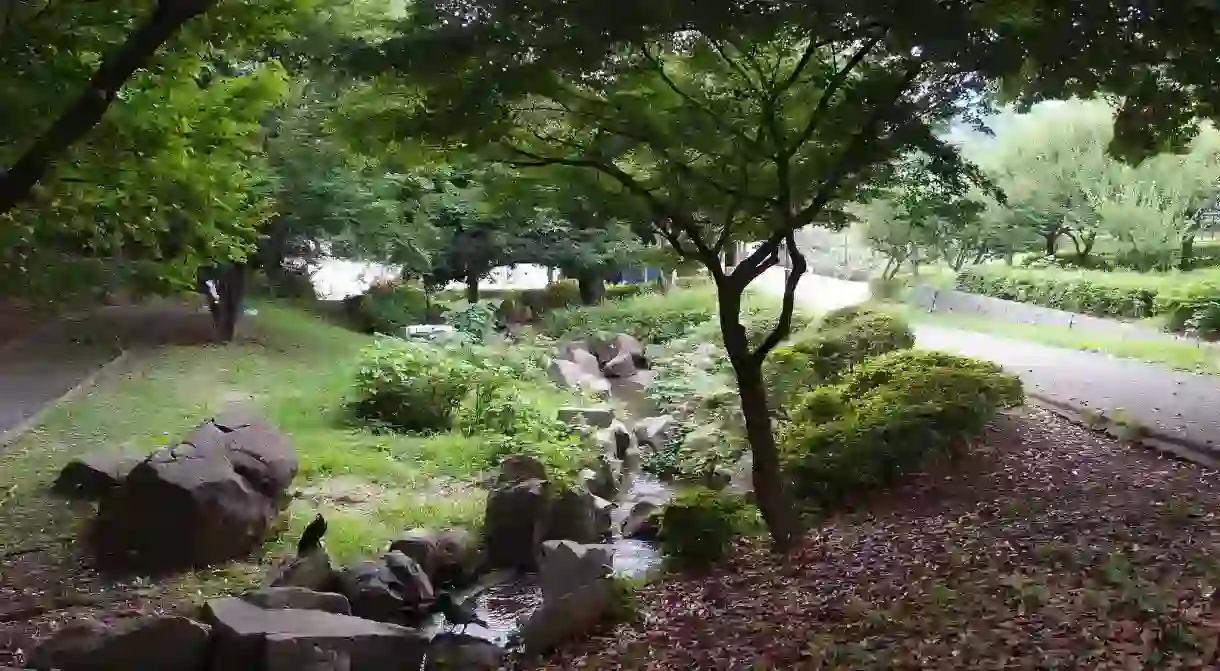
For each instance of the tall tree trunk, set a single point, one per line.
(1188, 252)
(472, 287)
(1052, 242)
(592, 286)
(226, 309)
(770, 490)
(87, 110)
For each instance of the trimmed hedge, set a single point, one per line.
(1188, 301)
(886, 418)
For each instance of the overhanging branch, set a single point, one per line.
(832, 89)
(784, 326)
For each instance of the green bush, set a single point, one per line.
(1192, 308)
(412, 387)
(788, 372)
(842, 341)
(1097, 293)
(560, 295)
(475, 320)
(388, 308)
(619, 291)
(651, 318)
(699, 526)
(886, 418)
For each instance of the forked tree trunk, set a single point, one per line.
(472, 288)
(771, 492)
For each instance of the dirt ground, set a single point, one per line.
(1052, 548)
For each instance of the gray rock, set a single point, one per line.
(632, 460)
(567, 566)
(624, 344)
(370, 588)
(603, 517)
(603, 477)
(151, 643)
(741, 482)
(573, 516)
(246, 636)
(457, 560)
(287, 653)
(259, 452)
(462, 652)
(519, 468)
(514, 524)
(565, 374)
(622, 439)
(587, 362)
(92, 476)
(420, 545)
(643, 522)
(566, 350)
(313, 572)
(566, 617)
(299, 598)
(621, 366)
(414, 585)
(654, 431)
(184, 506)
(597, 417)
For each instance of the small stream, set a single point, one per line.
(506, 599)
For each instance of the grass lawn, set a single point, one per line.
(1181, 356)
(297, 369)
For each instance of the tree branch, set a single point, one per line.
(784, 326)
(81, 116)
(832, 89)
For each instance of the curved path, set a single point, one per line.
(1175, 406)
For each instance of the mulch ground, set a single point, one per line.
(1052, 548)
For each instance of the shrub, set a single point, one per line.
(560, 295)
(1192, 308)
(412, 387)
(619, 291)
(788, 372)
(495, 405)
(651, 318)
(886, 418)
(1097, 293)
(846, 338)
(389, 308)
(475, 320)
(699, 526)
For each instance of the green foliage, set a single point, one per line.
(699, 526)
(620, 291)
(625, 606)
(886, 418)
(475, 320)
(389, 308)
(411, 387)
(1185, 300)
(651, 318)
(559, 295)
(1192, 308)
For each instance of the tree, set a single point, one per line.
(733, 120)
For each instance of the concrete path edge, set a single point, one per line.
(14, 433)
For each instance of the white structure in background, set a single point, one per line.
(335, 279)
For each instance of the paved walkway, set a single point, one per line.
(1181, 406)
(59, 357)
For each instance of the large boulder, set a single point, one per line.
(566, 617)
(585, 359)
(462, 652)
(643, 521)
(457, 557)
(519, 468)
(603, 477)
(573, 516)
(259, 452)
(565, 374)
(567, 566)
(152, 643)
(286, 653)
(654, 431)
(390, 590)
(616, 439)
(595, 385)
(626, 345)
(621, 366)
(92, 476)
(299, 598)
(313, 572)
(248, 637)
(184, 506)
(514, 524)
(420, 545)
